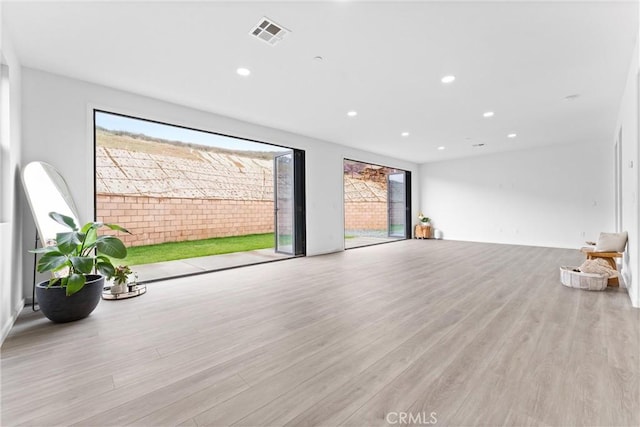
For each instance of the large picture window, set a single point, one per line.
(191, 197)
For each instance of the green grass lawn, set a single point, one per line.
(195, 248)
(397, 228)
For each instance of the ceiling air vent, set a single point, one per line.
(268, 31)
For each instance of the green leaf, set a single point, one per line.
(103, 258)
(117, 228)
(64, 220)
(91, 237)
(75, 282)
(66, 265)
(44, 250)
(91, 225)
(111, 246)
(82, 264)
(51, 261)
(106, 269)
(68, 242)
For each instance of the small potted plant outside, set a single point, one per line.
(121, 280)
(74, 289)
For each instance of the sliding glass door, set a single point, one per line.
(377, 204)
(284, 206)
(396, 205)
(195, 197)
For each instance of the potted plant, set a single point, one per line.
(74, 289)
(121, 279)
(424, 220)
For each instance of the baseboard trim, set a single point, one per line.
(634, 302)
(12, 320)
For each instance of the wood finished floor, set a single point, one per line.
(480, 334)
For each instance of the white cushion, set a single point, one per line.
(611, 242)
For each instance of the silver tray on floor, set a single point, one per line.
(134, 291)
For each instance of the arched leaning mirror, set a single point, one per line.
(47, 192)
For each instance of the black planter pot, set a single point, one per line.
(59, 308)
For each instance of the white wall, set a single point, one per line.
(11, 256)
(628, 121)
(58, 129)
(556, 196)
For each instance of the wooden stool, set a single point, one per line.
(607, 256)
(422, 231)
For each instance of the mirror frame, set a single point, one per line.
(34, 177)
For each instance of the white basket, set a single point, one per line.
(580, 280)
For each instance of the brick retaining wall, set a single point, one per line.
(365, 215)
(157, 220)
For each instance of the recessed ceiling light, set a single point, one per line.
(405, 134)
(448, 79)
(318, 58)
(488, 114)
(244, 72)
(572, 97)
(512, 135)
(352, 113)
(441, 148)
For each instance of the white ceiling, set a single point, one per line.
(383, 59)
